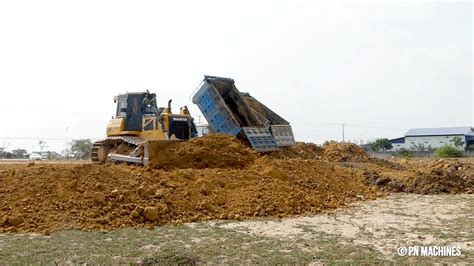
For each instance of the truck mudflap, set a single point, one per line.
(283, 135)
(260, 139)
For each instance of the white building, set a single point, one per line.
(47, 155)
(203, 129)
(433, 138)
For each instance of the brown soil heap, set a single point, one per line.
(432, 177)
(299, 150)
(345, 152)
(214, 177)
(212, 151)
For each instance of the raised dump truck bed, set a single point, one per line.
(231, 112)
(278, 126)
(263, 112)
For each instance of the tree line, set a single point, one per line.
(453, 149)
(79, 149)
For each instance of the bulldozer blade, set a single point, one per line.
(125, 158)
(150, 148)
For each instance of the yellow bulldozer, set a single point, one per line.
(137, 123)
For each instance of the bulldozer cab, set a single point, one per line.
(133, 107)
(139, 115)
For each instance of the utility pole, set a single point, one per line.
(343, 134)
(67, 151)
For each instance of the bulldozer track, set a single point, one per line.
(111, 141)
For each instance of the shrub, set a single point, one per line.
(470, 147)
(382, 144)
(404, 153)
(448, 151)
(329, 142)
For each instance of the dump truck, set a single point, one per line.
(139, 128)
(138, 122)
(229, 111)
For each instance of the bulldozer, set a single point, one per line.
(138, 122)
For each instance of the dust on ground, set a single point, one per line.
(210, 178)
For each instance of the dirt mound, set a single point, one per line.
(444, 176)
(299, 150)
(211, 151)
(214, 177)
(44, 198)
(440, 176)
(345, 152)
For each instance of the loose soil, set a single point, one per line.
(214, 177)
(213, 151)
(366, 233)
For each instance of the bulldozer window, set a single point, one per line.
(135, 105)
(122, 107)
(134, 113)
(149, 124)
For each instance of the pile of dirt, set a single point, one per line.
(345, 152)
(435, 177)
(444, 176)
(45, 198)
(211, 151)
(299, 150)
(214, 177)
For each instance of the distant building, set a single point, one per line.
(433, 138)
(49, 155)
(203, 129)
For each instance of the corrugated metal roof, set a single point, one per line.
(439, 131)
(398, 140)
